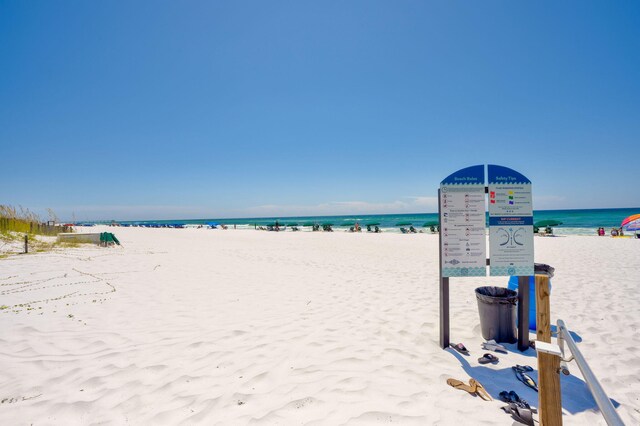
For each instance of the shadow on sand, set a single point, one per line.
(576, 397)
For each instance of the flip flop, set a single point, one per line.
(523, 415)
(480, 390)
(461, 385)
(487, 358)
(523, 367)
(460, 348)
(519, 401)
(505, 396)
(525, 378)
(492, 345)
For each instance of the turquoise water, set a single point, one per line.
(583, 222)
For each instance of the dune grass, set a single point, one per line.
(23, 221)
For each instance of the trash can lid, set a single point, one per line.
(496, 295)
(543, 269)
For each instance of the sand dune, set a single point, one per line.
(245, 327)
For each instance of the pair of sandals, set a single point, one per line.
(519, 409)
(521, 374)
(484, 359)
(474, 388)
(512, 397)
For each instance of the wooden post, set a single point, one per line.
(550, 402)
(26, 243)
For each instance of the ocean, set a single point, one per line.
(574, 222)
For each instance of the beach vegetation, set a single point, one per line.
(23, 221)
(16, 223)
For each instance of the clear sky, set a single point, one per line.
(167, 109)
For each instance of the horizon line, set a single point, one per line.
(334, 215)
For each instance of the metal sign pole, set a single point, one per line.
(523, 313)
(444, 291)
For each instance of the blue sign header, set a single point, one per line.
(501, 175)
(473, 175)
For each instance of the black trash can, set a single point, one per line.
(497, 308)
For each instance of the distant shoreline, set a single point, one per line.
(570, 218)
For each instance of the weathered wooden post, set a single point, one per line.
(26, 243)
(550, 401)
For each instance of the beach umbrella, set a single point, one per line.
(430, 224)
(545, 223)
(404, 224)
(632, 223)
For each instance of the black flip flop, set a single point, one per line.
(488, 358)
(460, 348)
(525, 378)
(505, 396)
(523, 367)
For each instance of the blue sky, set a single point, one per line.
(152, 110)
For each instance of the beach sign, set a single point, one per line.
(462, 200)
(462, 223)
(510, 222)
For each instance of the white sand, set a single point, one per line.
(240, 327)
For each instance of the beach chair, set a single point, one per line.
(108, 239)
(404, 230)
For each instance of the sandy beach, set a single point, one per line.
(233, 327)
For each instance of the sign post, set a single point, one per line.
(461, 209)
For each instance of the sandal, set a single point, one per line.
(491, 345)
(460, 385)
(480, 390)
(460, 348)
(523, 415)
(488, 358)
(525, 378)
(513, 398)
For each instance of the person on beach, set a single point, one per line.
(614, 232)
(357, 227)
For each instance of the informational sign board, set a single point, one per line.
(510, 222)
(462, 201)
(462, 224)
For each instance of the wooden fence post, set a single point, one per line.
(550, 402)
